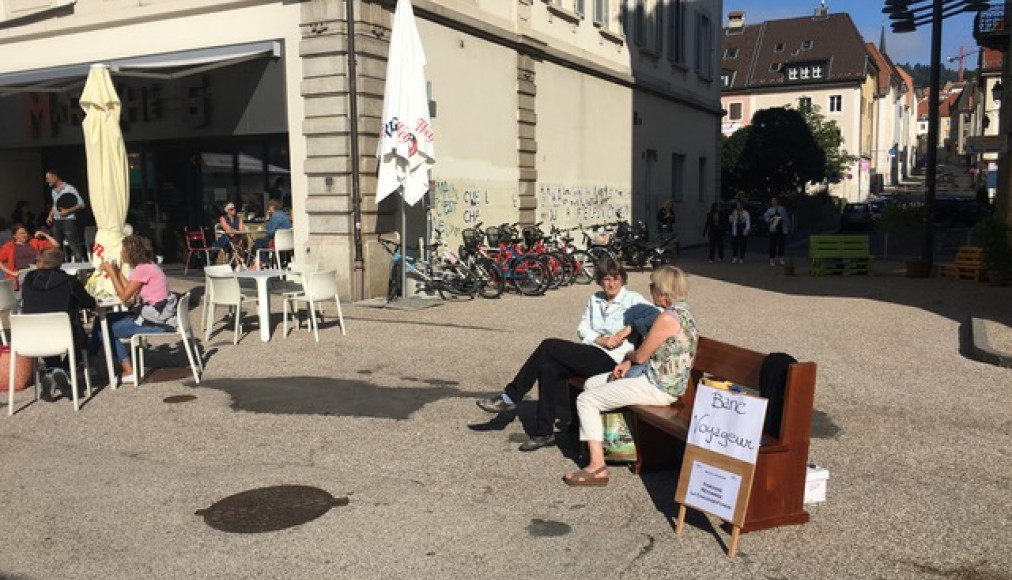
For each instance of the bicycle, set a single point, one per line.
(489, 279)
(449, 278)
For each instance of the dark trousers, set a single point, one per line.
(554, 361)
(716, 245)
(777, 244)
(67, 230)
(738, 245)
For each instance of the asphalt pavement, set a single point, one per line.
(914, 432)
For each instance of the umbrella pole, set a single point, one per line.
(404, 245)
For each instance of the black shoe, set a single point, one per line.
(495, 405)
(537, 442)
(46, 388)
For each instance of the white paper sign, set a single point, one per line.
(713, 490)
(727, 423)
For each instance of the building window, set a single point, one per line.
(734, 111)
(725, 80)
(792, 73)
(702, 179)
(601, 13)
(816, 71)
(640, 23)
(676, 30)
(805, 72)
(775, 67)
(778, 47)
(835, 103)
(806, 45)
(579, 8)
(704, 46)
(677, 177)
(730, 53)
(805, 104)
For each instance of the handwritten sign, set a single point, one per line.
(727, 423)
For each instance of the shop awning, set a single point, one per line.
(170, 65)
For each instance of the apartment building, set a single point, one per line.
(561, 111)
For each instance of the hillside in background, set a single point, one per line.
(921, 74)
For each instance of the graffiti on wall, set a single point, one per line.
(567, 206)
(455, 206)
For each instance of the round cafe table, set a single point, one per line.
(263, 298)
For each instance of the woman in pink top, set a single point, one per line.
(148, 287)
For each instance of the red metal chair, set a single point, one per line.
(195, 244)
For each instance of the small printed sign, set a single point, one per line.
(727, 423)
(713, 490)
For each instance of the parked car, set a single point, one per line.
(857, 217)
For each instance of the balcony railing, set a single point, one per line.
(991, 27)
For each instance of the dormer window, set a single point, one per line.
(806, 45)
(730, 53)
(817, 71)
(792, 73)
(775, 67)
(805, 72)
(778, 47)
(726, 79)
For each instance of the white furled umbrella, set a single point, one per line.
(406, 148)
(108, 172)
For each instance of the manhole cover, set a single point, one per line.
(179, 399)
(268, 509)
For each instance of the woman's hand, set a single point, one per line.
(109, 268)
(621, 369)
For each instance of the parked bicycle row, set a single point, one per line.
(509, 257)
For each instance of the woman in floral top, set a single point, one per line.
(668, 351)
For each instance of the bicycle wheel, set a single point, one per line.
(529, 276)
(455, 282)
(394, 285)
(583, 264)
(554, 269)
(568, 270)
(489, 279)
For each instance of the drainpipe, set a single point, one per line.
(356, 194)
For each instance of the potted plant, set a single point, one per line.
(992, 235)
(904, 222)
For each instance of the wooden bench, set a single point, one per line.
(839, 255)
(968, 265)
(778, 490)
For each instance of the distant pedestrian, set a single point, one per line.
(741, 225)
(714, 228)
(66, 203)
(780, 225)
(666, 218)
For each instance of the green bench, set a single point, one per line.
(840, 255)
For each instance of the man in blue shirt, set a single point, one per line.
(66, 202)
(277, 219)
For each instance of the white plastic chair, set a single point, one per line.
(284, 241)
(140, 340)
(216, 270)
(49, 334)
(294, 279)
(8, 305)
(225, 291)
(319, 287)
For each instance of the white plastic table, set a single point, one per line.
(73, 268)
(263, 298)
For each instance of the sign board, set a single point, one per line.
(978, 144)
(720, 455)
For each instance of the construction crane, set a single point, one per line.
(961, 57)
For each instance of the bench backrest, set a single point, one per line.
(969, 254)
(741, 365)
(839, 246)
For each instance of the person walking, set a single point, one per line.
(741, 224)
(66, 203)
(780, 224)
(714, 227)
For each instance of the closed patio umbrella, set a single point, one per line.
(108, 172)
(406, 149)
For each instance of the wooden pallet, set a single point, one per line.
(840, 255)
(968, 265)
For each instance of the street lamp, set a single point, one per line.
(907, 15)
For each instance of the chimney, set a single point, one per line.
(736, 20)
(822, 11)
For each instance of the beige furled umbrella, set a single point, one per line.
(108, 172)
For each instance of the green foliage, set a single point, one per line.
(780, 155)
(904, 221)
(731, 148)
(921, 73)
(992, 235)
(829, 138)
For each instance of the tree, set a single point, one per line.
(827, 135)
(731, 149)
(780, 154)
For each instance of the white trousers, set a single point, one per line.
(601, 395)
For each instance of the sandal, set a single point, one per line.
(584, 478)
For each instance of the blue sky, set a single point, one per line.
(913, 47)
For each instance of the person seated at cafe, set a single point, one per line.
(50, 289)
(231, 225)
(277, 219)
(155, 309)
(22, 250)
